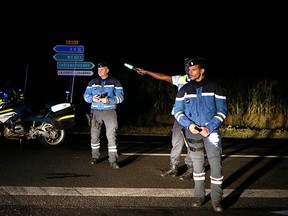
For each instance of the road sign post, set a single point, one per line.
(70, 61)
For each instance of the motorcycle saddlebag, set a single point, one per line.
(64, 118)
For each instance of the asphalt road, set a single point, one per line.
(36, 180)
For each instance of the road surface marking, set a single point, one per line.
(231, 156)
(133, 192)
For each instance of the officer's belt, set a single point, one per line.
(194, 149)
(193, 141)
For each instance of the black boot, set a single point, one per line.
(217, 207)
(171, 172)
(188, 175)
(114, 165)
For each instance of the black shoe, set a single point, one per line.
(93, 161)
(114, 165)
(217, 207)
(187, 176)
(173, 171)
(198, 202)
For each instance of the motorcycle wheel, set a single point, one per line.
(56, 137)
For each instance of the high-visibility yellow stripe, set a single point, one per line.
(218, 117)
(67, 117)
(8, 110)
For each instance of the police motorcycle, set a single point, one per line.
(48, 125)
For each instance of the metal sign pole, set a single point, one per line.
(72, 88)
(25, 83)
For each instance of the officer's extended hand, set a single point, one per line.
(140, 71)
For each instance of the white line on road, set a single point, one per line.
(232, 156)
(133, 192)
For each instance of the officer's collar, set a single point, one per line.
(198, 84)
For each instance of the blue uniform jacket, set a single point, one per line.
(110, 87)
(203, 103)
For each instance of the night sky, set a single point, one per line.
(239, 41)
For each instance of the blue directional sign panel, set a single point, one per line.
(75, 65)
(75, 73)
(69, 48)
(68, 57)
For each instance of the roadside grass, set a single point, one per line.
(226, 132)
(256, 109)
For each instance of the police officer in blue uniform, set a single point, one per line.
(104, 93)
(200, 106)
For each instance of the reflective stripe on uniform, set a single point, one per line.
(95, 146)
(199, 176)
(217, 181)
(112, 149)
